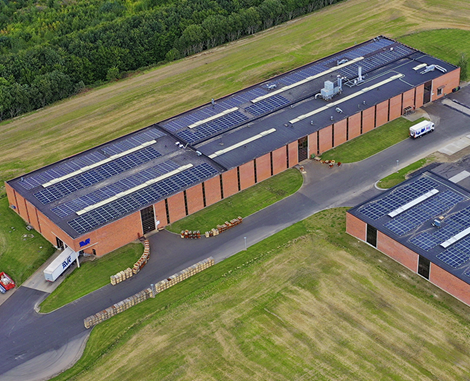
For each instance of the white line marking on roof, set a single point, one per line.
(333, 104)
(242, 143)
(199, 122)
(132, 190)
(94, 165)
(260, 98)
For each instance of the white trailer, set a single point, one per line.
(60, 264)
(422, 128)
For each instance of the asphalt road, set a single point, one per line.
(36, 346)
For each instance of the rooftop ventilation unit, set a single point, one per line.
(338, 110)
(330, 90)
(271, 86)
(432, 68)
(340, 62)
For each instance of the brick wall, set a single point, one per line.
(247, 174)
(448, 81)
(395, 107)
(354, 126)
(160, 213)
(312, 144)
(368, 122)
(230, 182)
(450, 283)
(419, 96)
(409, 98)
(194, 198)
(325, 139)
(381, 113)
(355, 227)
(212, 190)
(397, 251)
(340, 132)
(263, 167)
(279, 160)
(176, 207)
(294, 152)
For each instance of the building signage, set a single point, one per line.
(84, 243)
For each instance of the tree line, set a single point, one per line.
(63, 48)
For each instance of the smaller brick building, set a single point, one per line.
(424, 224)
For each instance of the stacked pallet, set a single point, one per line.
(121, 276)
(125, 304)
(196, 234)
(143, 259)
(117, 308)
(221, 228)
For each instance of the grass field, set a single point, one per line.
(242, 204)
(400, 176)
(308, 303)
(371, 143)
(20, 256)
(92, 276)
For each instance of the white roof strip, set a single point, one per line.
(132, 190)
(412, 203)
(260, 98)
(199, 122)
(242, 143)
(459, 177)
(94, 165)
(333, 104)
(455, 238)
(419, 66)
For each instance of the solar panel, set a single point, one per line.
(212, 128)
(398, 197)
(457, 254)
(141, 198)
(267, 105)
(432, 207)
(452, 225)
(95, 175)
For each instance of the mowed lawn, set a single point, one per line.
(308, 303)
(242, 204)
(22, 251)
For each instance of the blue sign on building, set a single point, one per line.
(84, 243)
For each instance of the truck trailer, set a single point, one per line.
(422, 128)
(60, 264)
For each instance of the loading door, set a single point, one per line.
(148, 219)
(427, 92)
(303, 148)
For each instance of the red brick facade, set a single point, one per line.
(355, 227)
(326, 139)
(160, 213)
(212, 190)
(312, 144)
(368, 120)
(279, 160)
(381, 114)
(450, 283)
(263, 167)
(247, 175)
(445, 83)
(409, 99)
(294, 153)
(230, 182)
(395, 107)
(354, 126)
(397, 251)
(194, 199)
(419, 96)
(340, 132)
(176, 207)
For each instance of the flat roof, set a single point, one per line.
(406, 214)
(108, 182)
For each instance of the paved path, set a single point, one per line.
(37, 346)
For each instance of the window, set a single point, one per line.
(439, 91)
(371, 235)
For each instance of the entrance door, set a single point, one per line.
(423, 267)
(148, 219)
(303, 148)
(59, 243)
(427, 92)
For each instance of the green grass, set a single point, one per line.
(242, 204)
(373, 142)
(20, 256)
(400, 176)
(309, 302)
(446, 44)
(91, 276)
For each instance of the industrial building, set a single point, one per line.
(110, 195)
(424, 224)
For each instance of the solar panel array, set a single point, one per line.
(414, 217)
(93, 176)
(452, 225)
(181, 122)
(83, 160)
(67, 208)
(141, 198)
(400, 196)
(212, 128)
(457, 254)
(267, 105)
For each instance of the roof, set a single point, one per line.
(108, 182)
(406, 213)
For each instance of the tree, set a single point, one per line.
(463, 63)
(113, 74)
